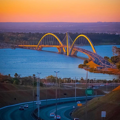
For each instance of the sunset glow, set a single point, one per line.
(59, 10)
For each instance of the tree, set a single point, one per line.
(116, 50)
(34, 80)
(118, 65)
(15, 75)
(85, 62)
(106, 58)
(115, 59)
(51, 78)
(80, 66)
(16, 81)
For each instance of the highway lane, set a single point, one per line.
(13, 113)
(61, 109)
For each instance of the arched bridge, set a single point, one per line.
(69, 47)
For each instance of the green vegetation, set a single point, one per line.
(84, 64)
(116, 58)
(17, 80)
(28, 81)
(33, 38)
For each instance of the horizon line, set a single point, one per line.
(61, 22)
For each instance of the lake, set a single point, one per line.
(27, 62)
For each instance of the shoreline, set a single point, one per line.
(110, 72)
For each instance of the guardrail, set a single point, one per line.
(34, 114)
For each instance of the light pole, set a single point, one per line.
(33, 90)
(56, 92)
(86, 97)
(46, 91)
(38, 92)
(75, 88)
(59, 90)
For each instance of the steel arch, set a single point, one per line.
(53, 36)
(82, 35)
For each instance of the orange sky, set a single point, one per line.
(59, 10)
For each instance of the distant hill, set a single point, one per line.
(109, 103)
(61, 27)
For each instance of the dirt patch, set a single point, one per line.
(11, 94)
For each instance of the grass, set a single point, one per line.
(109, 103)
(12, 94)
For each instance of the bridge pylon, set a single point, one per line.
(68, 43)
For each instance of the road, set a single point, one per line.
(61, 110)
(13, 112)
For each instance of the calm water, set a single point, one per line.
(28, 62)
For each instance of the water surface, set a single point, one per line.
(27, 62)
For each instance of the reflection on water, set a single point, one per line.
(28, 62)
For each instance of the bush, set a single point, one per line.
(85, 62)
(80, 66)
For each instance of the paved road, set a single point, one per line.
(61, 110)
(13, 112)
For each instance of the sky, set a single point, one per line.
(59, 10)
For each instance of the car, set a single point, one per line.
(38, 102)
(58, 117)
(21, 107)
(52, 114)
(26, 106)
(78, 102)
(76, 119)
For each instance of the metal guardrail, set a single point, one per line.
(41, 107)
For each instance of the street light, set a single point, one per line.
(75, 88)
(46, 91)
(33, 90)
(56, 92)
(38, 91)
(86, 97)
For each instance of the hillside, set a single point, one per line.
(109, 103)
(11, 94)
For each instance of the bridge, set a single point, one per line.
(70, 47)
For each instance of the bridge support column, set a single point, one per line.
(40, 48)
(74, 53)
(60, 50)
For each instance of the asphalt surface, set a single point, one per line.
(61, 110)
(13, 112)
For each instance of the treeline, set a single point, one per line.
(33, 38)
(50, 80)
(116, 58)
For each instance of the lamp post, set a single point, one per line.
(86, 97)
(59, 90)
(38, 91)
(56, 92)
(75, 88)
(33, 90)
(46, 91)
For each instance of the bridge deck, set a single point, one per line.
(97, 59)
